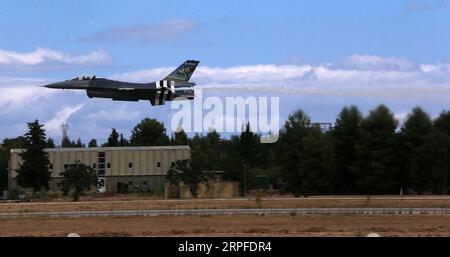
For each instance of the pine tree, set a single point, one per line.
(290, 148)
(344, 137)
(180, 138)
(123, 141)
(113, 139)
(442, 123)
(312, 164)
(34, 171)
(249, 146)
(435, 153)
(50, 143)
(66, 143)
(375, 169)
(415, 130)
(92, 143)
(79, 144)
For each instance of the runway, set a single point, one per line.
(222, 212)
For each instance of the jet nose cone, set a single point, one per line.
(54, 85)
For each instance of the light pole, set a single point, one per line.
(245, 179)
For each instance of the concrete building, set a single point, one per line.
(143, 167)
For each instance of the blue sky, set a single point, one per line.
(358, 52)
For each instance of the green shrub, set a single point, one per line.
(16, 194)
(158, 190)
(45, 195)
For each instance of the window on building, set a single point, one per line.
(108, 165)
(51, 166)
(130, 165)
(158, 164)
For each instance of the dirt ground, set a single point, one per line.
(317, 225)
(113, 204)
(237, 225)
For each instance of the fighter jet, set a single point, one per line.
(170, 88)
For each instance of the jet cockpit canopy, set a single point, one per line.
(84, 77)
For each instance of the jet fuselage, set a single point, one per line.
(158, 92)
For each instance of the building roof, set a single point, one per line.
(120, 148)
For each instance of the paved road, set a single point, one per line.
(207, 212)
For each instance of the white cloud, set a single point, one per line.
(19, 93)
(12, 99)
(155, 33)
(371, 62)
(354, 76)
(60, 117)
(323, 88)
(121, 113)
(143, 75)
(44, 57)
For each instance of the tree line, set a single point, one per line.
(366, 155)
(371, 154)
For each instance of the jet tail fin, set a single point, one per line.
(184, 72)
